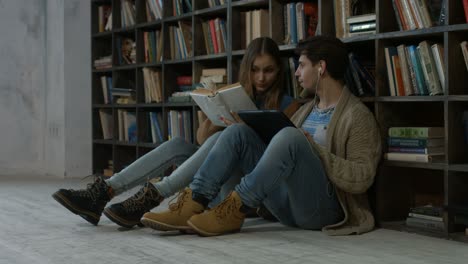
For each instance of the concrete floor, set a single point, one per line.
(36, 229)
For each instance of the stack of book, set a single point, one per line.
(416, 144)
(428, 217)
(213, 78)
(123, 95)
(362, 24)
(182, 94)
(103, 62)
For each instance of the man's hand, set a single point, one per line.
(309, 137)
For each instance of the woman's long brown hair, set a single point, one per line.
(263, 46)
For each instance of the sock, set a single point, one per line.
(200, 198)
(245, 209)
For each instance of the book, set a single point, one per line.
(428, 209)
(265, 122)
(465, 8)
(438, 53)
(417, 132)
(464, 48)
(426, 224)
(412, 157)
(220, 103)
(415, 142)
(429, 68)
(429, 150)
(427, 217)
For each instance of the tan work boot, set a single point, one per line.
(177, 215)
(224, 218)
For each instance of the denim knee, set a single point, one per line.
(288, 135)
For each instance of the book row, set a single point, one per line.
(179, 124)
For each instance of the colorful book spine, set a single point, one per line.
(416, 132)
(414, 142)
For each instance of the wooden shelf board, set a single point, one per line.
(238, 53)
(150, 105)
(148, 145)
(437, 98)
(150, 24)
(99, 106)
(102, 34)
(127, 144)
(149, 64)
(179, 104)
(103, 141)
(183, 61)
(412, 33)
(176, 18)
(458, 167)
(102, 70)
(249, 3)
(129, 29)
(211, 10)
(431, 166)
(126, 67)
(211, 56)
(455, 98)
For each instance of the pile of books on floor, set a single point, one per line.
(428, 217)
(416, 144)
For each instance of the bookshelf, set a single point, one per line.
(107, 38)
(398, 186)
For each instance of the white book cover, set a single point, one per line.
(220, 103)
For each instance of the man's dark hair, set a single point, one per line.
(330, 49)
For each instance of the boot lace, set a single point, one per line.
(226, 208)
(93, 190)
(181, 198)
(143, 198)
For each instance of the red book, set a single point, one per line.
(213, 36)
(184, 80)
(465, 7)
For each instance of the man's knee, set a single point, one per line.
(288, 134)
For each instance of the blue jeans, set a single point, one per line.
(287, 176)
(176, 151)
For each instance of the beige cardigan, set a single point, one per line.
(350, 158)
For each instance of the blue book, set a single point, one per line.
(293, 22)
(415, 142)
(419, 75)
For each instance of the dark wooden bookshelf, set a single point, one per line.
(397, 185)
(400, 185)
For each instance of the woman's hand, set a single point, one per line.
(229, 122)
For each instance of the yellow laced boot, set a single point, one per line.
(176, 217)
(222, 219)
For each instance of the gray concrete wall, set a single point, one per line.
(45, 88)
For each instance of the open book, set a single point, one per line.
(220, 103)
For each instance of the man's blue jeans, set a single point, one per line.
(287, 176)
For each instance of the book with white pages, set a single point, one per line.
(220, 103)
